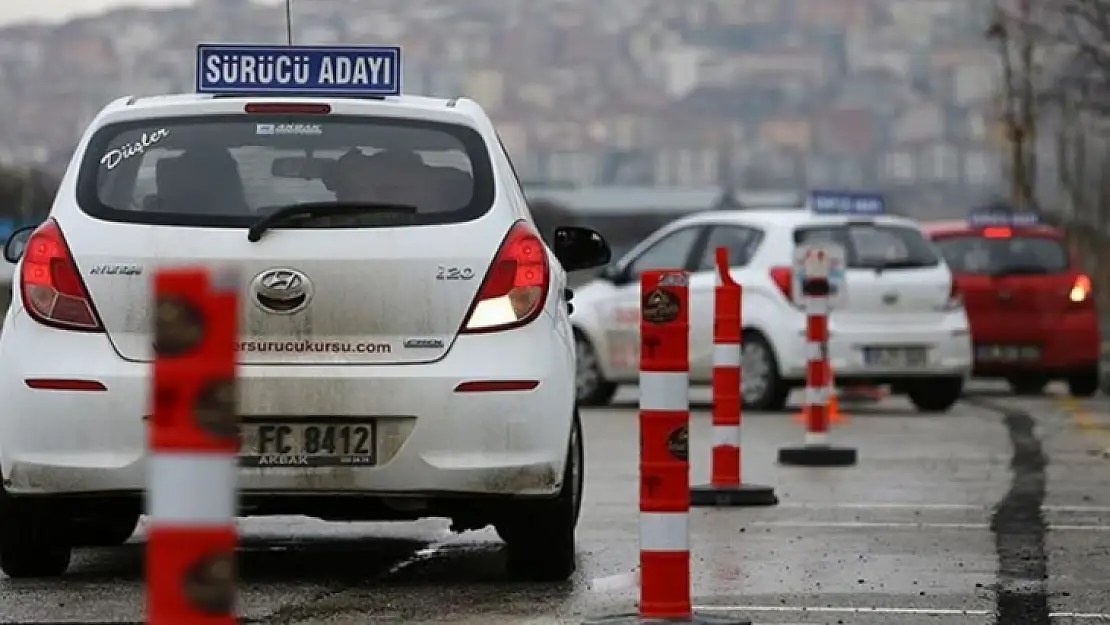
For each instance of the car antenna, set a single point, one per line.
(289, 21)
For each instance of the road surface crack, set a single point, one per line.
(1020, 528)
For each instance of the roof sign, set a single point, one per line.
(298, 70)
(828, 202)
(1003, 217)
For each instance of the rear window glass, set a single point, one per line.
(1018, 254)
(874, 246)
(230, 171)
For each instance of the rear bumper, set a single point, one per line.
(431, 439)
(948, 346)
(1069, 343)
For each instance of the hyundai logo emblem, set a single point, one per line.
(890, 299)
(282, 291)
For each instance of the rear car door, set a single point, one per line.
(741, 243)
(393, 284)
(674, 250)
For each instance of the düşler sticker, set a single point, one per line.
(660, 306)
(113, 158)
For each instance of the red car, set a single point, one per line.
(1030, 308)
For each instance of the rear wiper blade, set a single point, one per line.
(1015, 270)
(306, 210)
(894, 264)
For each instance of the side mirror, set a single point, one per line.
(17, 243)
(580, 248)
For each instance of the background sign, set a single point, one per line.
(820, 260)
(826, 202)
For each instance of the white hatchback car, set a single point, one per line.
(393, 284)
(903, 323)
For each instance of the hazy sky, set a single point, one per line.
(58, 10)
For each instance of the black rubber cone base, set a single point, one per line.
(818, 456)
(634, 619)
(744, 495)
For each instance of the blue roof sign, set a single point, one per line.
(846, 203)
(1003, 217)
(298, 70)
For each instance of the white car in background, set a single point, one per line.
(903, 323)
(405, 343)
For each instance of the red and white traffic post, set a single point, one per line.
(664, 455)
(194, 443)
(813, 268)
(726, 488)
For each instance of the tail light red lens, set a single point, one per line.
(52, 290)
(515, 288)
(783, 277)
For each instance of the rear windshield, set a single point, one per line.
(874, 246)
(230, 171)
(1013, 255)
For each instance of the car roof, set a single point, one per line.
(783, 217)
(141, 107)
(956, 227)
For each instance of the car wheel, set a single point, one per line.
(937, 395)
(109, 531)
(761, 385)
(32, 544)
(1084, 383)
(539, 537)
(1028, 384)
(590, 386)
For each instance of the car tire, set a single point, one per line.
(759, 360)
(32, 544)
(108, 531)
(936, 395)
(539, 536)
(1084, 383)
(1027, 385)
(590, 386)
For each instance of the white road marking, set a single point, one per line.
(929, 506)
(911, 525)
(1091, 616)
(843, 610)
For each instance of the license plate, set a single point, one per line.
(1007, 353)
(308, 445)
(895, 357)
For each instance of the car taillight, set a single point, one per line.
(52, 290)
(783, 277)
(1080, 292)
(515, 288)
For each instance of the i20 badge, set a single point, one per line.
(281, 291)
(423, 343)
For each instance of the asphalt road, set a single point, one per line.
(997, 512)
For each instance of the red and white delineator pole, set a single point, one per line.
(664, 455)
(726, 487)
(194, 443)
(817, 451)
